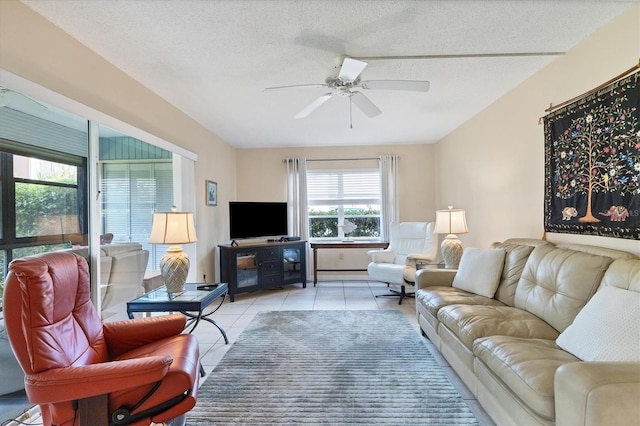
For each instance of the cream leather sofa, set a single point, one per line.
(122, 270)
(557, 343)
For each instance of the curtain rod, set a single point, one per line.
(606, 83)
(344, 159)
(339, 159)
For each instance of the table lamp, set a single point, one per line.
(173, 228)
(451, 222)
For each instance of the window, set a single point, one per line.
(136, 180)
(338, 195)
(44, 205)
(131, 193)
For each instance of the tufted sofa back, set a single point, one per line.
(557, 282)
(517, 253)
(50, 319)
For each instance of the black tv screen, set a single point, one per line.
(252, 219)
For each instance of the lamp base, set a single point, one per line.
(451, 251)
(174, 267)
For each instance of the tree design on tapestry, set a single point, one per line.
(593, 164)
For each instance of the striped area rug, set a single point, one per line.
(329, 367)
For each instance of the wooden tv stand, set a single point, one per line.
(262, 266)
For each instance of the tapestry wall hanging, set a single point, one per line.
(592, 163)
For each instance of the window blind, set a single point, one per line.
(343, 187)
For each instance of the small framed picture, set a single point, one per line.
(212, 193)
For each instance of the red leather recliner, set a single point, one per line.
(81, 371)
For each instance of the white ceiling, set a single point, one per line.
(213, 58)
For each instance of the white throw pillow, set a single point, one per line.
(480, 270)
(606, 329)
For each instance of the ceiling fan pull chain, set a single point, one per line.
(350, 114)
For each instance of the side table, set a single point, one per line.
(191, 303)
(342, 245)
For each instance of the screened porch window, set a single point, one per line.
(131, 193)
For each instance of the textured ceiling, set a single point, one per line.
(213, 58)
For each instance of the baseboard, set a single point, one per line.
(363, 277)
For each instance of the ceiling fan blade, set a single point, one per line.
(297, 86)
(351, 69)
(365, 105)
(312, 106)
(410, 85)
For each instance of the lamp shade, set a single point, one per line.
(173, 228)
(451, 222)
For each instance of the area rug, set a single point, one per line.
(329, 367)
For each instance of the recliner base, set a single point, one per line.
(394, 293)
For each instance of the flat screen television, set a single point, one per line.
(254, 219)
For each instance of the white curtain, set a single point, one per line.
(297, 197)
(389, 186)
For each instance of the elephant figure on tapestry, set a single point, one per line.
(617, 213)
(569, 212)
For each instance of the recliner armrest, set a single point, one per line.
(597, 393)
(70, 383)
(123, 336)
(413, 258)
(382, 256)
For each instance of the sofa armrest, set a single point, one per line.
(430, 277)
(382, 256)
(592, 393)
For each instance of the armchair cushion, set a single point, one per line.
(480, 271)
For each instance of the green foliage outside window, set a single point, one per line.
(323, 223)
(38, 202)
(34, 202)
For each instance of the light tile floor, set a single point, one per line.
(333, 295)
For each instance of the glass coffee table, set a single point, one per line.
(191, 302)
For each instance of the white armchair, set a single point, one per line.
(410, 243)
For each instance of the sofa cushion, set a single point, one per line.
(606, 329)
(470, 322)
(623, 273)
(514, 261)
(526, 366)
(557, 282)
(434, 298)
(480, 271)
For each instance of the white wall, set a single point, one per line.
(493, 165)
(34, 49)
(262, 177)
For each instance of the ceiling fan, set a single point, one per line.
(346, 84)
